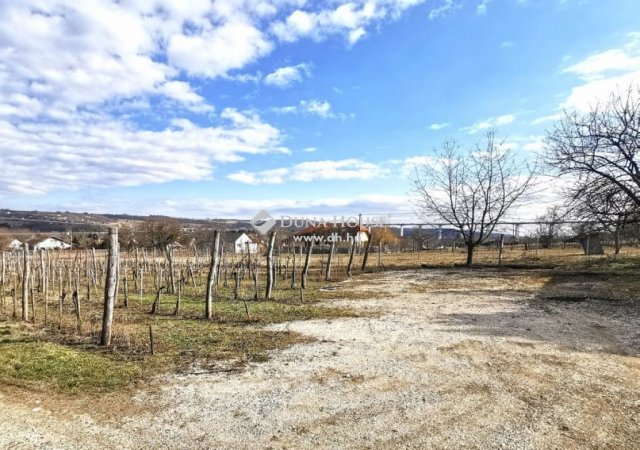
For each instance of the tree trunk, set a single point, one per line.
(213, 271)
(616, 241)
(470, 248)
(111, 284)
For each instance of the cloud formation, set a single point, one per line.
(78, 79)
(487, 124)
(287, 76)
(346, 169)
(40, 158)
(438, 126)
(311, 107)
(612, 70)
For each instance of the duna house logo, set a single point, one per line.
(263, 221)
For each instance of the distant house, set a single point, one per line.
(50, 243)
(15, 244)
(240, 242)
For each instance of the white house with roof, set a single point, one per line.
(50, 243)
(15, 244)
(241, 242)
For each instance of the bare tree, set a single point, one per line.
(601, 146)
(159, 232)
(604, 205)
(471, 190)
(550, 225)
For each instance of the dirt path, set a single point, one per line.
(456, 359)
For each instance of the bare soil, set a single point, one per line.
(454, 359)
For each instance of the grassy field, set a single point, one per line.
(57, 356)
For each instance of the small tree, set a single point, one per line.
(550, 226)
(383, 236)
(159, 232)
(471, 190)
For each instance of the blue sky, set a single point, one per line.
(204, 109)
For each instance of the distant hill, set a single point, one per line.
(60, 221)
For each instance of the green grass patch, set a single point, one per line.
(42, 365)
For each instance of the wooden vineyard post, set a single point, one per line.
(177, 310)
(213, 271)
(270, 272)
(4, 280)
(293, 269)
(500, 249)
(44, 281)
(172, 281)
(330, 260)
(126, 284)
(25, 281)
(151, 341)
(351, 255)
(110, 287)
(366, 252)
(305, 270)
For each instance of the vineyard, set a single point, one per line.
(178, 307)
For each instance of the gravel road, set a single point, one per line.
(452, 360)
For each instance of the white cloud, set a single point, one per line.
(274, 176)
(346, 169)
(182, 92)
(596, 66)
(547, 118)
(490, 123)
(409, 165)
(347, 19)
(218, 50)
(446, 7)
(286, 76)
(534, 146)
(438, 126)
(507, 44)
(482, 7)
(310, 149)
(605, 73)
(313, 107)
(43, 157)
(322, 109)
